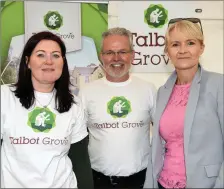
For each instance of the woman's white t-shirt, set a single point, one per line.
(36, 141)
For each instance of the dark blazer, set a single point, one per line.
(203, 132)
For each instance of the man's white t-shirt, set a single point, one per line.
(34, 152)
(119, 116)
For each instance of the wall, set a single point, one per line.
(212, 21)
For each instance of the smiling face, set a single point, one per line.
(117, 65)
(45, 63)
(184, 44)
(184, 51)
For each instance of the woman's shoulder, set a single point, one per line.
(213, 77)
(7, 96)
(7, 89)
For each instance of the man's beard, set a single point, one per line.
(116, 69)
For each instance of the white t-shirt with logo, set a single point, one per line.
(34, 152)
(119, 115)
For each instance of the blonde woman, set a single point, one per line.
(187, 144)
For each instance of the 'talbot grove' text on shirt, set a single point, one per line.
(119, 115)
(36, 142)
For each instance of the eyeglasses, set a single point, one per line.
(111, 54)
(193, 20)
(43, 56)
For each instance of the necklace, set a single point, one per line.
(45, 106)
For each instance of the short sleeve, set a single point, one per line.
(79, 130)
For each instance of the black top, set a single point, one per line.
(79, 156)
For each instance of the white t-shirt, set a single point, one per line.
(119, 115)
(34, 152)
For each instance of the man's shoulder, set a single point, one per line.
(94, 83)
(143, 83)
(92, 86)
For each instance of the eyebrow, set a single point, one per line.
(45, 51)
(186, 40)
(192, 40)
(117, 50)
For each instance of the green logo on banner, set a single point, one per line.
(53, 20)
(156, 16)
(41, 120)
(119, 107)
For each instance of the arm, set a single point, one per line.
(154, 96)
(78, 152)
(149, 181)
(149, 176)
(79, 156)
(220, 179)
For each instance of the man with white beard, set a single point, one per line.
(119, 155)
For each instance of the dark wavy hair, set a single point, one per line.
(24, 88)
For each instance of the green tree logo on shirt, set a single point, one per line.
(119, 107)
(41, 120)
(156, 16)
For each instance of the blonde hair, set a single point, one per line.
(118, 31)
(187, 27)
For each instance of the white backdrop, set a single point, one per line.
(212, 21)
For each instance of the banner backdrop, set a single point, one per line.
(63, 19)
(89, 19)
(148, 25)
(148, 21)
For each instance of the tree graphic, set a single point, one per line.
(41, 120)
(53, 20)
(119, 107)
(156, 16)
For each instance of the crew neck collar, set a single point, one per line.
(117, 84)
(43, 93)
